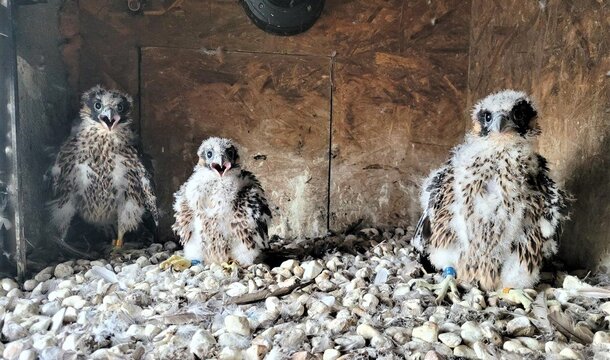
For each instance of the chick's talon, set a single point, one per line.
(230, 266)
(176, 262)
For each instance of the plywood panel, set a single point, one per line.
(559, 51)
(396, 116)
(275, 106)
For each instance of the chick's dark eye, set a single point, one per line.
(209, 154)
(518, 114)
(487, 117)
(230, 152)
(97, 105)
(120, 108)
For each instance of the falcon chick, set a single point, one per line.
(221, 211)
(99, 173)
(492, 213)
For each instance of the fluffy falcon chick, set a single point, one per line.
(492, 213)
(221, 212)
(99, 174)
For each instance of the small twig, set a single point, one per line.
(264, 294)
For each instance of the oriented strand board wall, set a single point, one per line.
(559, 51)
(393, 72)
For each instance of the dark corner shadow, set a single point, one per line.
(585, 241)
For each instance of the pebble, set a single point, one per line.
(571, 354)
(8, 284)
(331, 354)
(450, 339)
(13, 349)
(63, 270)
(27, 355)
(471, 332)
(465, 352)
(520, 326)
(366, 331)
(30, 285)
(201, 343)
(237, 324)
(237, 289)
(427, 332)
(311, 269)
(601, 337)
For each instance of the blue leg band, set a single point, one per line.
(195, 262)
(449, 271)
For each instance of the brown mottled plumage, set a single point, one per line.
(492, 212)
(221, 211)
(98, 173)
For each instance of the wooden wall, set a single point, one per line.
(374, 93)
(343, 122)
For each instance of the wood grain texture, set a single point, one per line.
(397, 114)
(558, 51)
(275, 106)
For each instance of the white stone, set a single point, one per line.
(512, 345)
(465, 352)
(531, 343)
(202, 343)
(255, 352)
(605, 307)
(482, 351)
(59, 294)
(230, 354)
(237, 324)
(293, 339)
(471, 332)
(25, 308)
(289, 264)
(520, 326)
(331, 354)
(427, 332)
(367, 331)
(70, 343)
(15, 293)
(13, 349)
(75, 301)
(553, 347)
(13, 331)
(8, 284)
(70, 315)
(42, 325)
(601, 337)
(450, 339)
(369, 303)
(571, 354)
(381, 343)
(151, 331)
(63, 270)
(29, 285)
(27, 355)
(237, 289)
(58, 319)
(312, 269)
(351, 342)
(44, 342)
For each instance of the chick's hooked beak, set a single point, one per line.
(501, 123)
(110, 118)
(221, 169)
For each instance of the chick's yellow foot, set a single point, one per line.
(516, 296)
(230, 266)
(117, 244)
(176, 262)
(441, 289)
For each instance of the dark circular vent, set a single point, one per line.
(283, 17)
